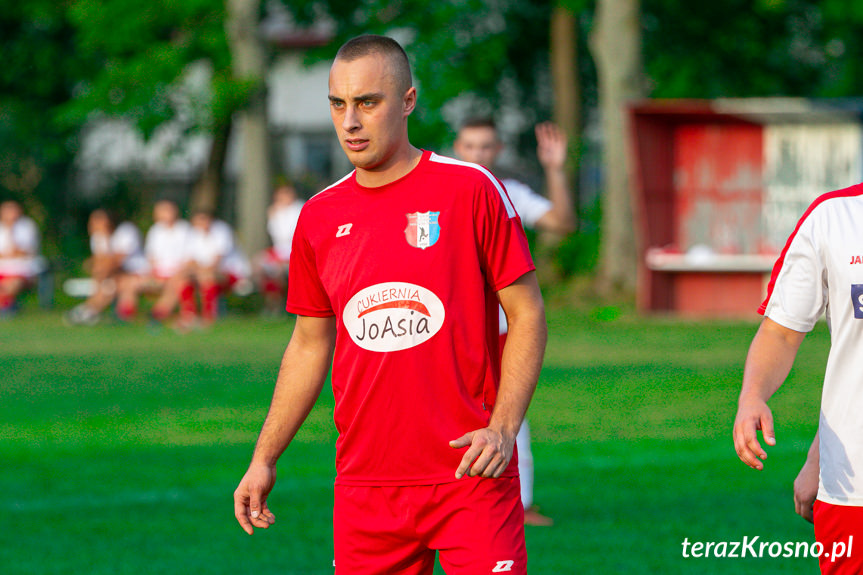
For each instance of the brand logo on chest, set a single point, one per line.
(393, 316)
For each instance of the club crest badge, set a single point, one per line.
(423, 229)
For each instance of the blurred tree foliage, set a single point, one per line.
(746, 48)
(489, 53)
(40, 67)
(66, 62)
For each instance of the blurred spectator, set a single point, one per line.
(213, 264)
(116, 251)
(165, 248)
(478, 142)
(20, 262)
(271, 266)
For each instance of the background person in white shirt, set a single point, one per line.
(19, 254)
(271, 265)
(164, 247)
(213, 264)
(478, 142)
(116, 251)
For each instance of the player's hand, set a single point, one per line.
(488, 455)
(805, 490)
(752, 415)
(551, 146)
(250, 498)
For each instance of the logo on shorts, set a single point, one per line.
(393, 316)
(857, 300)
(423, 229)
(503, 566)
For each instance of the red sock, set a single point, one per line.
(210, 301)
(188, 308)
(126, 311)
(271, 286)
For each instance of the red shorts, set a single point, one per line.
(839, 529)
(477, 526)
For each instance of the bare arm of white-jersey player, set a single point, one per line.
(491, 447)
(806, 483)
(768, 362)
(302, 374)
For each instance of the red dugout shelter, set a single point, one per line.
(720, 184)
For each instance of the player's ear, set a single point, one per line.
(410, 101)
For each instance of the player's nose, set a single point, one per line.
(351, 120)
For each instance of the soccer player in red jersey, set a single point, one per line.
(395, 276)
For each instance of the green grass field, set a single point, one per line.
(120, 449)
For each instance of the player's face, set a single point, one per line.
(478, 145)
(369, 111)
(165, 213)
(202, 221)
(9, 213)
(284, 196)
(99, 224)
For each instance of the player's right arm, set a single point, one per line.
(302, 374)
(768, 363)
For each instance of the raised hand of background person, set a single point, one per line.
(250, 498)
(551, 146)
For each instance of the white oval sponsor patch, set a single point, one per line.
(392, 316)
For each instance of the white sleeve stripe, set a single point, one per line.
(333, 185)
(510, 209)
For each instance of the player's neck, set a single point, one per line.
(399, 165)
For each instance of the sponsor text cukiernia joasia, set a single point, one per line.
(759, 548)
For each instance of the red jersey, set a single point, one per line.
(410, 271)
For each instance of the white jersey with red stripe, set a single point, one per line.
(410, 271)
(820, 271)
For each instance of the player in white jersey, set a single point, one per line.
(820, 271)
(213, 263)
(115, 252)
(164, 247)
(19, 254)
(478, 142)
(271, 265)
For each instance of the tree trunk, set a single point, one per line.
(616, 46)
(564, 78)
(206, 194)
(249, 63)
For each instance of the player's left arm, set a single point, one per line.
(551, 150)
(491, 448)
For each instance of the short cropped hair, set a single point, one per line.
(479, 122)
(369, 44)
